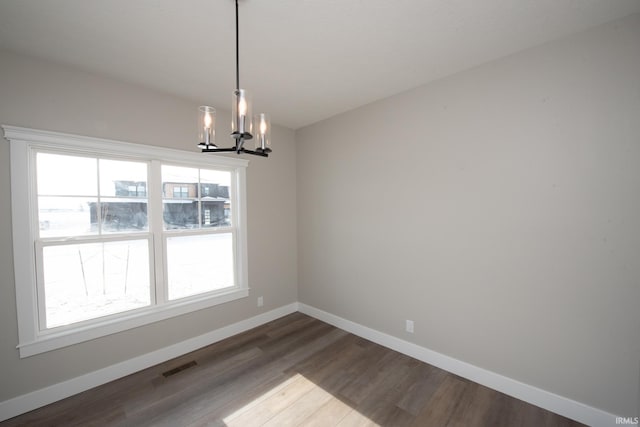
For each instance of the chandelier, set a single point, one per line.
(244, 127)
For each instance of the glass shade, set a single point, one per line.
(206, 127)
(241, 124)
(262, 132)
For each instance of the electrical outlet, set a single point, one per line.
(409, 326)
(260, 302)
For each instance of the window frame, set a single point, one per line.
(24, 143)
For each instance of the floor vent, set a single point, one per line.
(179, 369)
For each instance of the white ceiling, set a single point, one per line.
(303, 60)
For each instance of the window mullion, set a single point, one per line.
(98, 198)
(154, 212)
(199, 199)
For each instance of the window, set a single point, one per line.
(93, 256)
(109, 235)
(179, 192)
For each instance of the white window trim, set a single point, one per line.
(22, 143)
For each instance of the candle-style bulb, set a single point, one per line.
(206, 127)
(263, 140)
(241, 123)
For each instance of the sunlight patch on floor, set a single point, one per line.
(297, 401)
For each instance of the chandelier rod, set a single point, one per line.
(237, 51)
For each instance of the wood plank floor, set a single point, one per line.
(294, 371)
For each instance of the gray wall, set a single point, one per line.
(47, 96)
(499, 209)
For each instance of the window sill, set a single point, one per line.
(52, 340)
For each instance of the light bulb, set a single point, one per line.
(263, 126)
(207, 121)
(242, 106)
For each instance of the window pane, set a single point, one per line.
(86, 281)
(123, 196)
(67, 216)
(178, 177)
(222, 178)
(215, 203)
(180, 214)
(123, 215)
(66, 175)
(179, 204)
(123, 179)
(198, 264)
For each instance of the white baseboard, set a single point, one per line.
(27, 402)
(538, 397)
(544, 399)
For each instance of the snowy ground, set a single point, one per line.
(86, 281)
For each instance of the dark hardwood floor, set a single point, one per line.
(294, 371)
